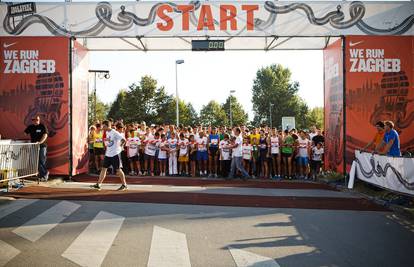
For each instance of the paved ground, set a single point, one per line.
(89, 233)
(194, 222)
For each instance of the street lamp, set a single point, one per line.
(177, 62)
(102, 74)
(231, 117)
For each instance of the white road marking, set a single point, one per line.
(92, 245)
(244, 258)
(14, 206)
(46, 221)
(168, 248)
(7, 253)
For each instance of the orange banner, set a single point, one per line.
(379, 86)
(80, 72)
(34, 81)
(333, 90)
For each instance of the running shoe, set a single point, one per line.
(122, 188)
(96, 186)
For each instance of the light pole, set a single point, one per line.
(102, 74)
(231, 116)
(177, 62)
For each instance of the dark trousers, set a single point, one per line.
(225, 167)
(42, 162)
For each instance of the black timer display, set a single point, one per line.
(207, 45)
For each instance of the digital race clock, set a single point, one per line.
(207, 45)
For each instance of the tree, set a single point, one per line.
(239, 116)
(117, 109)
(98, 113)
(213, 114)
(273, 90)
(316, 117)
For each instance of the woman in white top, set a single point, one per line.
(275, 141)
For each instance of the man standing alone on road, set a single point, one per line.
(114, 143)
(237, 156)
(38, 134)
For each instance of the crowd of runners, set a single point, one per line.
(166, 150)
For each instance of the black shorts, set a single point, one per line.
(213, 151)
(114, 161)
(263, 154)
(134, 158)
(148, 157)
(98, 151)
(193, 156)
(286, 155)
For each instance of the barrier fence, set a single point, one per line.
(18, 161)
(392, 173)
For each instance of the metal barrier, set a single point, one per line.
(18, 161)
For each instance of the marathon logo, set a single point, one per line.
(21, 9)
(26, 61)
(372, 60)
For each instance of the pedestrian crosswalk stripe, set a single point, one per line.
(168, 248)
(46, 221)
(14, 206)
(244, 258)
(92, 245)
(7, 253)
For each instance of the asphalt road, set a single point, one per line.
(88, 233)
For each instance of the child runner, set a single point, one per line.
(162, 155)
(172, 154)
(112, 157)
(183, 155)
(132, 144)
(225, 159)
(202, 155)
(213, 143)
(316, 162)
(247, 154)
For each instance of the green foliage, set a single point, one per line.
(117, 109)
(239, 116)
(101, 110)
(273, 86)
(213, 114)
(316, 117)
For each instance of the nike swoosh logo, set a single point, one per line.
(8, 45)
(351, 44)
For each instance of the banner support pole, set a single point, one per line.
(70, 110)
(344, 103)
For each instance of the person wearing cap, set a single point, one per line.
(391, 142)
(38, 134)
(379, 136)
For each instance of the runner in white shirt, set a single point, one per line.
(162, 154)
(115, 141)
(132, 144)
(225, 158)
(237, 153)
(202, 155)
(247, 150)
(275, 142)
(183, 155)
(172, 154)
(150, 150)
(303, 147)
(316, 162)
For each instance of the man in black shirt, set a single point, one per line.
(38, 134)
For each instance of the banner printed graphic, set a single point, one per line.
(379, 86)
(80, 67)
(34, 81)
(225, 17)
(333, 73)
(396, 174)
